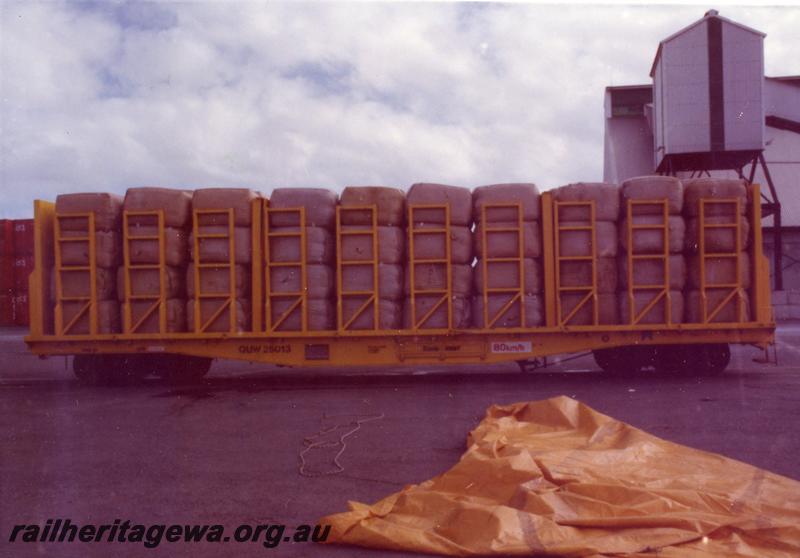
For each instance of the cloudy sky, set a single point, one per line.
(107, 95)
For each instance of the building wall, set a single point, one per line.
(743, 77)
(682, 104)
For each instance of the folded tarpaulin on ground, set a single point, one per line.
(556, 477)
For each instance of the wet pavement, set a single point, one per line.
(256, 444)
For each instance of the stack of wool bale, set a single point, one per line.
(578, 243)
(647, 271)
(176, 206)
(320, 220)
(216, 249)
(506, 244)
(717, 240)
(391, 206)
(433, 246)
(107, 210)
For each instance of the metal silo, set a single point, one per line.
(708, 107)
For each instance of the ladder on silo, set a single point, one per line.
(443, 297)
(226, 300)
(661, 291)
(516, 295)
(370, 298)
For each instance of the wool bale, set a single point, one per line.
(107, 317)
(360, 278)
(461, 311)
(390, 202)
(391, 244)
(434, 276)
(720, 271)
(176, 204)
(76, 283)
(107, 248)
(221, 323)
(390, 314)
(527, 195)
(148, 282)
(651, 241)
(504, 244)
(579, 242)
(579, 274)
(434, 245)
(319, 280)
(652, 188)
(176, 316)
(608, 311)
(107, 209)
(217, 250)
(651, 272)
(320, 245)
(713, 188)
(505, 275)
(238, 199)
(176, 242)
(605, 196)
(716, 299)
(217, 280)
(655, 315)
(321, 314)
(717, 239)
(534, 311)
(459, 199)
(319, 204)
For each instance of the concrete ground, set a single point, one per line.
(227, 451)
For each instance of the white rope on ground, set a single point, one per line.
(313, 442)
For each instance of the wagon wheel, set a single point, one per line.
(624, 361)
(183, 369)
(710, 359)
(108, 370)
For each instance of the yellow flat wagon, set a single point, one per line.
(627, 345)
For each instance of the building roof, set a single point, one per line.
(791, 80)
(710, 14)
(627, 87)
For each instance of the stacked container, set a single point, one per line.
(6, 272)
(300, 224)
(586, 253)
(652, 238)
(139, 279)
(222, 255)
(371, 244)
(72, 278)
(508, 244)
(440, 255)
(725, 253)
(23, 266)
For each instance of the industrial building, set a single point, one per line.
(710, 110)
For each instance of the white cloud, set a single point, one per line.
(111, 95)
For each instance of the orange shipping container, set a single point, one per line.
(6, 273)
(21, 312)
(6, 237)
(23, 266)
(23, 237)
(6, 310)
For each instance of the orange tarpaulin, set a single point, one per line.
(556, 477)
